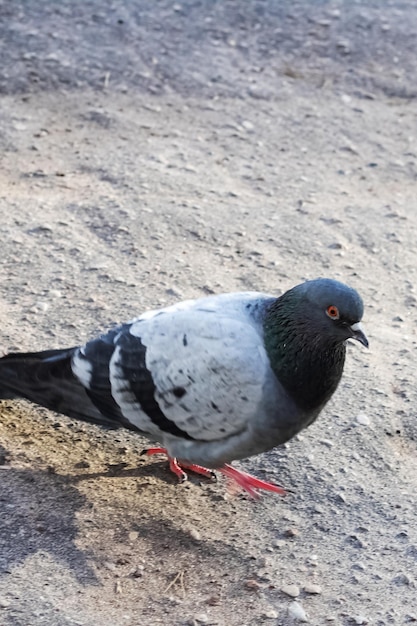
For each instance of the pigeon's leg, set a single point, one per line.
(177, 467)
(197, 469)
(244, 481)
(249, 483)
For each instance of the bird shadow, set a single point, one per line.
(155, 469)
(38, 510)
(38, 514)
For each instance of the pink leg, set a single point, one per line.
(176, 466)
(250, 483)
(242, 479)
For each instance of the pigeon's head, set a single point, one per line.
(305, 331)
(332, 308)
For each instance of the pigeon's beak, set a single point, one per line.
(359, 334)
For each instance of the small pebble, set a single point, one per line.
(360, 619)
(270, 613)
(55, 293)
(172, 291)
(291, 590)
(363, 419)
(402, 579)
(296, 611)
(4, 604)
(252, 584)
(327, 442)
(291, 532)
(133, 535)
(195, 534)
(312, 588)
(359, 566)
(248, 126)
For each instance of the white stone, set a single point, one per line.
(296, 611)
(363, 419)
(312, 588)
(291, 590)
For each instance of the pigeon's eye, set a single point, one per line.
(333, 312)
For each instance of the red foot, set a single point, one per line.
(177, 466)
(242, 479)
(250, 483)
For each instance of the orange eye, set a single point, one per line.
(333, 312)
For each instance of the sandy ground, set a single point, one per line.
(154, 151)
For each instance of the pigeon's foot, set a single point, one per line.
(242, 480)
(250, 483)
(178, 467)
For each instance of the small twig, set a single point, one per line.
(179, 577)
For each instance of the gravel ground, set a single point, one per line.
(155, 151)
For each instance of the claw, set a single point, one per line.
(151, 451)
(245, 481)
(177, 466)
(176, 469)
(250, 483)
(198, 469)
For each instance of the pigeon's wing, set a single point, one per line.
(197, 372)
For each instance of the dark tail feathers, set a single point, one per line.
(46, 378)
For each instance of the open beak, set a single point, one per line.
(359, 335)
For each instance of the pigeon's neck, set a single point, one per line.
(308, 364)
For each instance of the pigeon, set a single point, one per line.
(212, 380)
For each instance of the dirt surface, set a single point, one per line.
(154, 151)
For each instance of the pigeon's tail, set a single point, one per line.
(46, 378)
